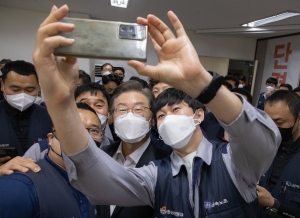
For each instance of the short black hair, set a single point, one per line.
(297, 89)
(86, 78)
(84, 106)
(227, 84)
(243, 91)
(92, 88)
(233, 78)
(143, 82)
(111, 77)
(4, 61)
(291, 99)
(173, 96)
(131, 86)
(152, 83)
(287, 86)
(104, 65)
(20, 67)
(242, 77)
(119, 68)
(272, 80)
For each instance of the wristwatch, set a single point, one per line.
(210, 91)
(274, 209)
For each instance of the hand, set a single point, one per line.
(179, 64)
(4, 159)
(57, 76)
(19, 164)
(265, 199)
(268, 93)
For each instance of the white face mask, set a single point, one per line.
(38, 100)
(240, 86)
(177, 130)
(270, 88)
(106, 73)
(20, 101)
(131, 128)
(102, 119)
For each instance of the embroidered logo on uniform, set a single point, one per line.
(163, 210)
(292, 185)
(208, 205)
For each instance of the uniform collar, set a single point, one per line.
(58, 168)
(204, 152)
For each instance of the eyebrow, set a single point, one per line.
(278, 119)
(136, 103)
(94, 125)
(98, 99)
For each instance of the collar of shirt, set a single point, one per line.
(12, 112)
(58, 168)
(204, 151)
(134, 156)
(265, 96)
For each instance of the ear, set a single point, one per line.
(199, 114)
(50, 138)
(152, 122)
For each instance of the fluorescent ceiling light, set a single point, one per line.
(243, 30)
(267, 20)
(119, 3)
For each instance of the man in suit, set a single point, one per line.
(132, 116)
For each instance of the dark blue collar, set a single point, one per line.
(58, 168)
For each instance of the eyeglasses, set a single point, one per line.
(137, 110)
(94, 132)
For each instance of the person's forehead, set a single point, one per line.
(92, 96)
(118, 71)
(20, 80)
(88, 117)
(278, 109)
(182, 104)
(160, 85)
(131, 97)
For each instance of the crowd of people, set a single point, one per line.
(187, 143)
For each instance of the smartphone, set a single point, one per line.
(105, 39)
(8, 151)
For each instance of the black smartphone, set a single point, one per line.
(8, 151)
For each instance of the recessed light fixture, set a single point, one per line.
(119, 3)
(271, 19)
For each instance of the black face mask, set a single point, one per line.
(286, 133)
(98, 144)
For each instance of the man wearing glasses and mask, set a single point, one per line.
(47, 193)
(133, 118)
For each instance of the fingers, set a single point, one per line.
(50, 43)
(19, 164)
(56, 14)
(4, 159)
(156, 46)
(176, 24)
(159, 30)
(144, 70)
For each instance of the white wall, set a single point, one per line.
(18, 30)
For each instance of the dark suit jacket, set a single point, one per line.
(152, 152)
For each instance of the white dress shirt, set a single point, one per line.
(130, 161)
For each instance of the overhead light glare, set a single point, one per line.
(119, 3)
(272, 19)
